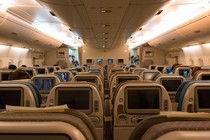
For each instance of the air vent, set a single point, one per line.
(53, 14)
(197, 31)
(14, 33)
(159, 12)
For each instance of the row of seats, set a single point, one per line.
(132, 102)
(73, 125)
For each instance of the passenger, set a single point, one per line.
(19, 74)
(23, 66)
(174, 66)
(195, 69)
(12, 67)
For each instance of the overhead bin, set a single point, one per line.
(193, 32)
(13, 30)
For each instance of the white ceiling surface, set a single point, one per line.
(84, 18)
(189, 20)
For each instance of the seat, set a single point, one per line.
(19, 94)
(202, 75)
(148, 75)
(117, 78)
(184, 71)
(82, 96)
(160, 68)
(44, 83)
(171, 82)
(193, 96)
(133, 102)
(174, 126)
(4, 74)
(91, 77)
(65, 75)
(41, 70)
(68, 125)
(31, 71)
(138, 70)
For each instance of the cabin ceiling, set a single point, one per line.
(99, 23)
(98, 29)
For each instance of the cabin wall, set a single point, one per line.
(193, 55)
(17, 56)
(54, 56)
(109, 53)
(150, 56)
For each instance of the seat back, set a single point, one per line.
(63, 126)
(19, 94)
(82, 96)
(173, 126)
(148, 75)
(44, 83)
(4, 74)
(184, 71)
(118, 78)
(65, 75)
(171, 82)
(41, 70)
(91, 77)
(138, 70)
(202, 75)
(135, 101)
(192, 96)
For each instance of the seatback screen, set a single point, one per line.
(142, 100)
(75, 98)
(203, 96)
(171, 84)
(44, 84)
(124, 79)
(10, 96)
(184, 72)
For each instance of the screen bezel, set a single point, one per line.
(205, 75)
(86, 77)
(5, 73)
(155, 73)
(160, 68)
(108, 61)
(120, 60)
(197, 109)
(142, 111)
(126, 77)
(45, 78)
(94, 70)
(38, 68)
(171, 79)
(184, 70)
(91, 61)
(99, 60)
(58, 73)
(15, 89)
(169, 68)
(88, 111)
(50, 68)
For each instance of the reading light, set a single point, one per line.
(106, 11)
(105, 25)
